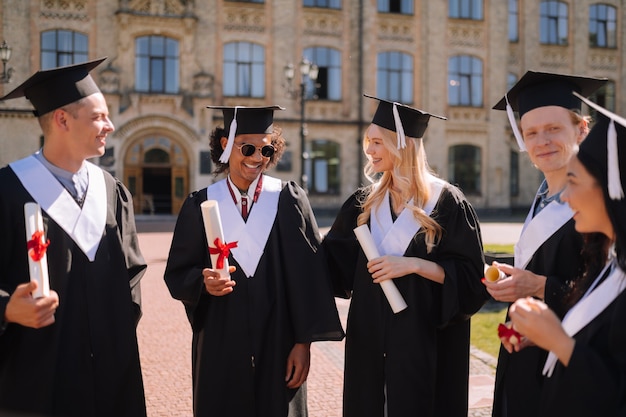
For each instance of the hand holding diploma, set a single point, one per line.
(28, 311)
(396, 301)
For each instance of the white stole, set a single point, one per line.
(251, 236)
(393, 238)
(84, 225)
(538, 229)
(589, 307)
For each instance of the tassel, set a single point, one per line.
(231, 138)
(399, 127)
(613, 175)
(513, 122)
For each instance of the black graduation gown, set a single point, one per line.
(241, 341)
(422, 352)
(87, 362)
(518, 375)
(594, 382)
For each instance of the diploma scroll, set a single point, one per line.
(215, 237)
(36, 246)
(493, 274)
(396, 301)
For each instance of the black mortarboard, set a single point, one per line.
(602, 152)
(539, 89)
(51, 89)
(402, 119)
(242, 120)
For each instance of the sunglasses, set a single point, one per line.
(248, 149)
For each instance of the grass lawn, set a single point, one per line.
(484, 333)
(498, 248)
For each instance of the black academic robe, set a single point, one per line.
(241, 341)
(518, 375)
(594, 382)
(87, 362)
(421, 354)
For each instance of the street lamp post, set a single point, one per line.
(308, 70)
(5, 55)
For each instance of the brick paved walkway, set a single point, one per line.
(165, 341)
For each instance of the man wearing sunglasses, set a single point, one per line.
(252, 331)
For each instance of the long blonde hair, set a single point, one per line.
(409, 179)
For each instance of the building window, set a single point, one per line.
(553, 23)
(63, 47)
(513, 21)
(511, 80)
(602, 26)
(464, 168)
(395, 6)
(328, 84)
(322, 167)
(465, 81)
(605, 97)
(244, 70)
(394, 77)
(156, 65)
(328, 4)
(465, 9)
(514, 174)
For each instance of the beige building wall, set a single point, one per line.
(179, 124)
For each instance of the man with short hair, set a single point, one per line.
(547, 255)
(72, 353)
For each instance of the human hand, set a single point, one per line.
(511, 339)
(27, 311)
(215, 284)
(518, 283)
(537, 322)
(389, 267)
(298, 363)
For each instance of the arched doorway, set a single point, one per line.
(155, 171)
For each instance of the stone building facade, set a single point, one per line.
(170, 59)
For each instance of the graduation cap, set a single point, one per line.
(51, 89)
(600, 148)
(402, 119)
(241, 120)
(539, 89)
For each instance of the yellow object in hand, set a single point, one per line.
(492, 274)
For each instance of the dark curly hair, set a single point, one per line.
(215, 145)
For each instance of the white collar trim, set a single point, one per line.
(251, 236)
(85, 226)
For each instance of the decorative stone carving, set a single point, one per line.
(466, 35)
(203, 84)
(109, 80)
(159, 7)
(64, 9)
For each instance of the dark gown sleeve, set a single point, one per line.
(135, 263)
(594, 382)
(188, 256)
(460, 254)
(313, 311)
(559, 278)
(342, 248)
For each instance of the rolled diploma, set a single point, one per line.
(213, 228)
(38, 269)
(395, 299)
(493, 274)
